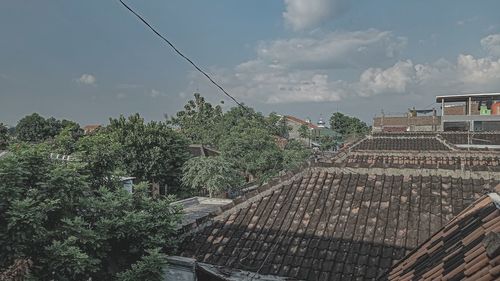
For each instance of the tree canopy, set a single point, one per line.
(36, 129)
(152, 152)
(4, 136)
(213, 174)
(51, 216)
(347, 125)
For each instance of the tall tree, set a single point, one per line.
(153, 151)
(103, 157)
(4, 136)
(253, 150)
(199, 121)
(32, 128)
(346, 125)
(213, 174)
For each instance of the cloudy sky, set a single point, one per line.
(89, 60)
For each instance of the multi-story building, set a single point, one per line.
(470, 112)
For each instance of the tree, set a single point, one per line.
(199, 121)
(254, 151)
(66, 141)
(214, 174)
(295, 154)
(346, 125)
(102, 154)
(32, 128)
(152, 152)
(4, 136)
(67, 230)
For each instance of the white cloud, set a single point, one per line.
(304, 14)
(485, 71)
(390, 80)
(121, 96)
(332, 50)
(492, 44)
(307, 70)
(156, 93)
(86, 79)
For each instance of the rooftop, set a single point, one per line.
(332, 226)
(465, 97)
(466, 248)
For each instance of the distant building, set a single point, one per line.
(470, 112)
(89, 129)
(411, 122)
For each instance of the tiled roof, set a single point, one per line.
(300, 121)
(467, 248)
(333, 226)
(447, 162)
(391, 143)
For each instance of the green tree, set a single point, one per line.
(199, 122)
(103, 157)
(51, 216)
(152, 151)
(295, 154)
(4, 136)
(254, 151)
(32, 128)
(66, 141)
(214, 174)
(346, 125)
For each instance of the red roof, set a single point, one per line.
(300, 121)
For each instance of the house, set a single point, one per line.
(89, 129)
(470, 112)
(352, 217)
(411, 122)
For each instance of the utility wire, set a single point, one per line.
(181, 54)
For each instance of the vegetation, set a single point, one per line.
(213, 174)
(4, 136)
(346, 125)
(53, 217)
(36, 129)
(152, 152)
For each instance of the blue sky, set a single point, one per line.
(91, 60)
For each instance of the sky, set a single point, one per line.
(91, 60)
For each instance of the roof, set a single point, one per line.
(332, 226)
(197, 150)
(195, 208)
(91, 128)
(489, 162)
(465, 97)
(466, 248)
(407, 121)
(416, 143)
(300, 121)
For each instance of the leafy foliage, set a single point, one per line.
(152, 151)
(34, 128)
(346, 125)
(214, 174)
(102, 154)
(4, 136)
(199, 121)
(50, 214)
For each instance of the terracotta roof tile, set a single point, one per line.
(464, 254)
(328, 226)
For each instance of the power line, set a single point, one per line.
(181, 54)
